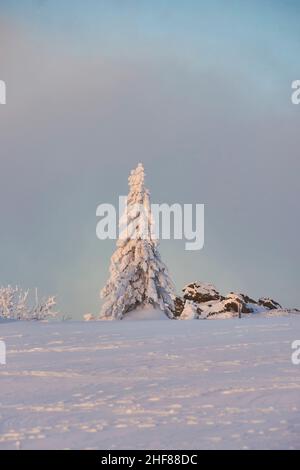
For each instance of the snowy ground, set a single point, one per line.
(165, 385)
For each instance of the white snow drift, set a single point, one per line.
(148, 385)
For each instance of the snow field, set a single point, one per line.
(146, 385)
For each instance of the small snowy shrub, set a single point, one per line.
(15, 305)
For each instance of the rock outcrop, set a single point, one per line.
(269, 303)
(179, 306)
(190, 311)
(201, 292)
(201, 300)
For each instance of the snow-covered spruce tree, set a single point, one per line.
(138, 277)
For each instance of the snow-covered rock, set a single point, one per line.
(179, 306)
(230, 306)
(202, 300)
(190, 311)
(269, 303)
(200, 292)
(234, 303)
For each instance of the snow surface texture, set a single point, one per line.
(145, 313)
(147, 385)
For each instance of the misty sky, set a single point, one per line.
(198, 91)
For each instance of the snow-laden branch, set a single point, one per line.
(15, 305)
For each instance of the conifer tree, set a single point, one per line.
(138, 277)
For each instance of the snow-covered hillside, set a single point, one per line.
(166, 385)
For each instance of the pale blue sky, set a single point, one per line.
(198, 91)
